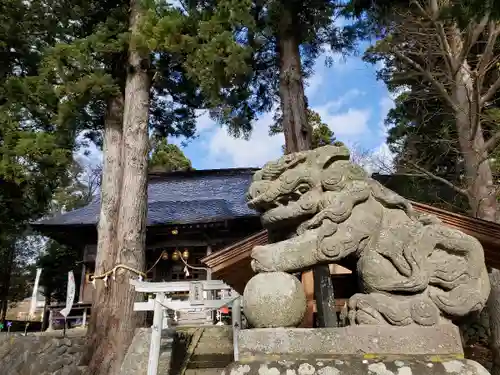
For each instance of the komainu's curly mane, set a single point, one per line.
(413, 270)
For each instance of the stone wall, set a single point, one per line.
(196, 351)
(50, 354)
(40, 354)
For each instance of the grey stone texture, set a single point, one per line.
(413, 269)
(40, 355)
(293, 343)
(51, 354)
(136, 359)
(416, 365)
(274, 299)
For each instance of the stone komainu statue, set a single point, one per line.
(412, 269)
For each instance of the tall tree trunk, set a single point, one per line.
(481, 191)
(298, 133)
(298, 137)
(46, 311)
(493, 307)
(117, 316)
(7, 276)
(101, 320)
(479, 178)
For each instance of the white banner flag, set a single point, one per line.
(34, 295)
(70, 294)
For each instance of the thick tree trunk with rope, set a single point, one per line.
(107, 249)
(122, 224)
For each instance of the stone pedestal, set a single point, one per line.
(356, 350)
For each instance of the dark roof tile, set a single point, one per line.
(181, 198)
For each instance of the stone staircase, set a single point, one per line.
(185, 350)
(201, 350)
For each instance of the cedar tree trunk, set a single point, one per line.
(116, 316)
(7, 276)
(103, 320)
(298, 133)
(298, 137)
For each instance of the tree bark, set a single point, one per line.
(298, 137)
(7, 276)
(116, 315)
(48, 299)
(479, 178)
(493, 307)
(298, 133)
(480, 188)
(101, 319)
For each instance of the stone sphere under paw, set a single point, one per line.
(274, 299)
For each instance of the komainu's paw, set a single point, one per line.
(263, 259)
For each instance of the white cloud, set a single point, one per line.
(381, 159)
(227, 151)
(385, 105)
(204, 122)
(348, 124)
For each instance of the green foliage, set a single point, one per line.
(82, 186)
(17, 252)
(56, 261)
(167, 157)
(322, 134)
(422, 126)
(231, 49)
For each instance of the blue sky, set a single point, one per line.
(347, 96)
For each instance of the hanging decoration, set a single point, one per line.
(175, 256)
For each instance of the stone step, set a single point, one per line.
(205, 371)
(213, 348)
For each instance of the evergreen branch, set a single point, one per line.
(451, 63)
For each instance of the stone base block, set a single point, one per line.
(359, 366)
(303, 343)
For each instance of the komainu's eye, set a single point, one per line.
(303, 189)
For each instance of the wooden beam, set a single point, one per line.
(180, 242)
(324, 296)
(308, 284)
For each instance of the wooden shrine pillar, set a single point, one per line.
(308, 284)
